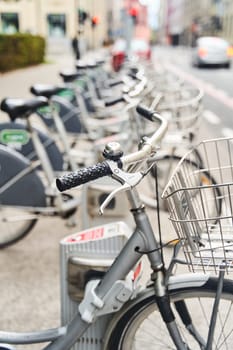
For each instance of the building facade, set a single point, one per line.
(187, 19)
(56, 20)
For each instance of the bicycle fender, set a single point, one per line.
(175, 282)
(23, 144)
(68, 112)
(19, 183)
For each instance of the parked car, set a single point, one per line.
(138, 47)
(210, 50)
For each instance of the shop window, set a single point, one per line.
(56, 25)
(9, 23)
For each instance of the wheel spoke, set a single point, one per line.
(145, 328)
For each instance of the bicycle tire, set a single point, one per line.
(141, 326)
(14, 225)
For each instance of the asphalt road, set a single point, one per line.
(216, 83)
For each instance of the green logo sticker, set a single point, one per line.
(81, 83)
(45, 110)
(14, 136)
(69, 94)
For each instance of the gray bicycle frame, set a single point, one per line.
(143, 237)
(44, 162)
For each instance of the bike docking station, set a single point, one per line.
(84, 258)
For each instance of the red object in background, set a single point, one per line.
(118, 54)
(144, 55)
(133, 11)
(95, 20)
(140, 48)
(118, 60)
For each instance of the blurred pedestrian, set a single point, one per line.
(75, 46)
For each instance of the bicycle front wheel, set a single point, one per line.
(141, 327)
(15, 224)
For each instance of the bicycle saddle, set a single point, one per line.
(46, 90)
(86, 65)
(69, 76)
(92, 65)
(21, 108)
(81, 65)
(100, 62)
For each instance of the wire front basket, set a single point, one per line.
(183, 112)
(199, 196)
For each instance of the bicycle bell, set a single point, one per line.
(113, 151)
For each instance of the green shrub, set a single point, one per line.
(20, 50)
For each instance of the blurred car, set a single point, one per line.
(212, 50)
(138, 48)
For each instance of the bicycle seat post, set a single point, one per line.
(40, 151)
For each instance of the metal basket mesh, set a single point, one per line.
(199, 196)
(185, 108)
(183, 115)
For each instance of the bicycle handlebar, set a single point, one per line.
(114, 101)
(145, 112)
(115, 82)
(103, 169)
(135, 92)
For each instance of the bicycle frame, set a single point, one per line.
(96, 300)
(102, 295)
(20, 174)
(59, 204)
(11, 189)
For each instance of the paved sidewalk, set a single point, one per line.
(17, 83)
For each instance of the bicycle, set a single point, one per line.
(20, 210)
(111, 295)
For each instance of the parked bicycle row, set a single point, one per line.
(155, 116)
(91, 106)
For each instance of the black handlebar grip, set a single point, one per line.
(100, 62)
(115, 82)
(83, 176)
(145, 112)
(133, 76)
(114, 101)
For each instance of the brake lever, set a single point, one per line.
(128, 181)
(105, 203)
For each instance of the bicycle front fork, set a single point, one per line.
(163, 302)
